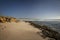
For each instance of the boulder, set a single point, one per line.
(51, 34)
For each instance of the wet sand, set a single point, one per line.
(19, 31)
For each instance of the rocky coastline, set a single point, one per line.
(46, 31)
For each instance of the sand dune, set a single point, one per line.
(19, 31)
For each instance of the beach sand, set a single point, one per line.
(19, 31)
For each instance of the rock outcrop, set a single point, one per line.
(4, 19)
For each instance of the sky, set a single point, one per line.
(41, 9)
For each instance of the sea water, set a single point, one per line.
(55, 25)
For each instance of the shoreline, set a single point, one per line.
(48, 32)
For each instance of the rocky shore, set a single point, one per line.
(46, 31)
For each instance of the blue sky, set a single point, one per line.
(41, 9)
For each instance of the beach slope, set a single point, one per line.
(19, 31)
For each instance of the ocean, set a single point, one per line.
(55, 25)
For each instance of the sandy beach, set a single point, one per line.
(19, 31)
